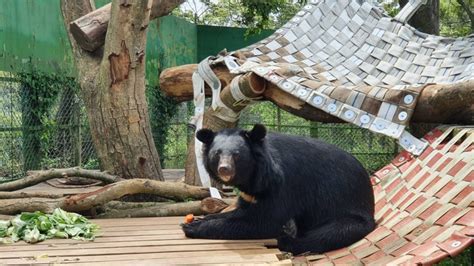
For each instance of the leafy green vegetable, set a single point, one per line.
(34, 227)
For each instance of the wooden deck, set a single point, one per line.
(137, 241)
(140, 241)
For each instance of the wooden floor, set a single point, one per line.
(140, 241)
(137, 241)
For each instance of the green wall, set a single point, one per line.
(212, 40)
(32, 35)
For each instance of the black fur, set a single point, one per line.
(318, 190)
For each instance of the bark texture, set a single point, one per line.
(89, 30)
(426, 19)
(112, 84)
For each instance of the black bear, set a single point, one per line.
(310, 195)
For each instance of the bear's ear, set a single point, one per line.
(257, 133)
(205, 135)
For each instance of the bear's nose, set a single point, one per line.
(224, 170)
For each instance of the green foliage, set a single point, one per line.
(454, 19)
(37, 226)
(272, 14)
(254, 14)
(269, 14)
(92, 163)
(161, 109)
(38, 94)
(463, 259)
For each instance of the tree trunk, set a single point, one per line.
(426, 19)
(113, 89)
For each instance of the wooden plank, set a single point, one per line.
(55, 241)
(195, 255)
(125, 250)
(139, 228)
(261, 259)
(144, 233)
(139, 221)
(89, 245)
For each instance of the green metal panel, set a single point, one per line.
(32, 33)
(175, 43)
(212, 40)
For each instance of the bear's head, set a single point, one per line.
(231, 156)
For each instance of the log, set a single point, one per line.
(169, 190)
(87, 201)
(36, 177)
(438, 103)
(214, 205)
(174, 81)
(89, 30)
(21, 195)
(162, 210)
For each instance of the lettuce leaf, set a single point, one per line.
(34, 227)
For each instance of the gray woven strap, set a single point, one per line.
(409, 10)
(206, 73)
(199, 77)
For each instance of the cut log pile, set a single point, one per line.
(181, 199)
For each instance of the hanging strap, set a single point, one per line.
(203, 74)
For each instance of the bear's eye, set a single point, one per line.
(219, 151)
(236, 155)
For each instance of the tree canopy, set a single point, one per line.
(456, 16)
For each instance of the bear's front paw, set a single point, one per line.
(192, 230)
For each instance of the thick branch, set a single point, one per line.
(161, 210)
(174, 81)
(448, 103)
(89, 31)
(36, 177)
(22, 195)
(170, 190)
(213, 205)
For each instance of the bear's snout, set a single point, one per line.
(225, 169)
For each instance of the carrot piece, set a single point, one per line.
(189, 218)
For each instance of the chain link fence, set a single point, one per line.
(35, 135)
(39, 134)
(373, 150)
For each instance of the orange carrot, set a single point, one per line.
(189, 218)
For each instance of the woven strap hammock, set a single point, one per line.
(424, 206)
